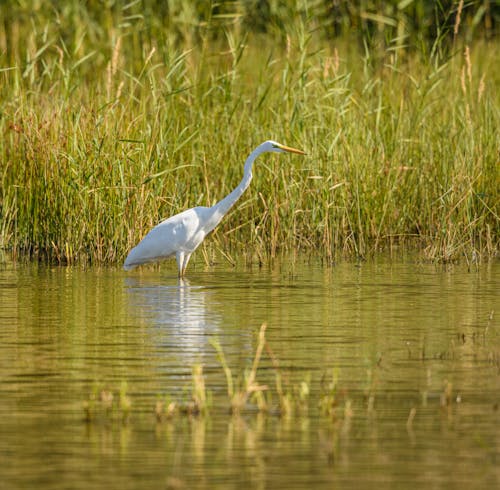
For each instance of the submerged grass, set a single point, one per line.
(110, 125)
(239, 395)
(336, 400)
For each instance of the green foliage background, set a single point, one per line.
(115, 115)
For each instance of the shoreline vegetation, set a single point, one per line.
(115, 118)
(333, 399)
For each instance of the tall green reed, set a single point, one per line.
(118, 122)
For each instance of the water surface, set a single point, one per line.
(401, 338)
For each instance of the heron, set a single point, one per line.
(181, 234)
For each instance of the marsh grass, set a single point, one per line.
(240, 392)
(102, 405)
(111, 123)
(334, 398)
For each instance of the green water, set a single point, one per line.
(394, 333)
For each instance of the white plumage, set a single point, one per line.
(180, 235)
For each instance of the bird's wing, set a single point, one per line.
(177, 233)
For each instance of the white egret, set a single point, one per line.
(181, 234)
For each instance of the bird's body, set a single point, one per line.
(181, 234)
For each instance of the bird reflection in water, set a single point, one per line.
(178, 310)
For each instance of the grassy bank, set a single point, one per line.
(109, 126)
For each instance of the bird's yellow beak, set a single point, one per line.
(292, 150)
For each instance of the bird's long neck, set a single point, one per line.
(223, 206)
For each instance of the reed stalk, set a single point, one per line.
(113, 119)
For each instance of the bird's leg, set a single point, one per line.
(185, 261)
(182, 262)
(179, 256)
